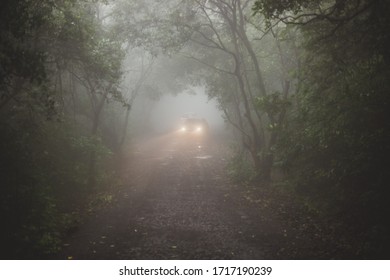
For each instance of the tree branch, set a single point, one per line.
(207, 64)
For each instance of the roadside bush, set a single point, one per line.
(44, 194)
(239, 167)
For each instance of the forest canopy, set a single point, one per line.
(302, 85)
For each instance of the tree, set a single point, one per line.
(223, 40)
(336, 147)
(150, 39)
(54, 55)
(135, 88)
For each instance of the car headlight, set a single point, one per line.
(199, 129)
(183, 128)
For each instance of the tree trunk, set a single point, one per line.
(92, 156)
(266, 167)
(94, 134)
(124, 134)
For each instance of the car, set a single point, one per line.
(193, 126)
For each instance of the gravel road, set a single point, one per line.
(178, 203)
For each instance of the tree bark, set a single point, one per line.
(94, 135)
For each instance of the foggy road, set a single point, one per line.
(92, 91)
(178, 204)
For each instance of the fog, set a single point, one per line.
(170, 109)
(179, 122)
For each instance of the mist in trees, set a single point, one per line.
(302, 86)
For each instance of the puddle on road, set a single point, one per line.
(203, 157)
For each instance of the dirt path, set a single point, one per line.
(179, 204)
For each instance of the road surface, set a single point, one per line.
(178, 203)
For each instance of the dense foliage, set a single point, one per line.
(336, 146)
(303, 84)
(58, 68)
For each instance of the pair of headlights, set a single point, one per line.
(197, 129)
